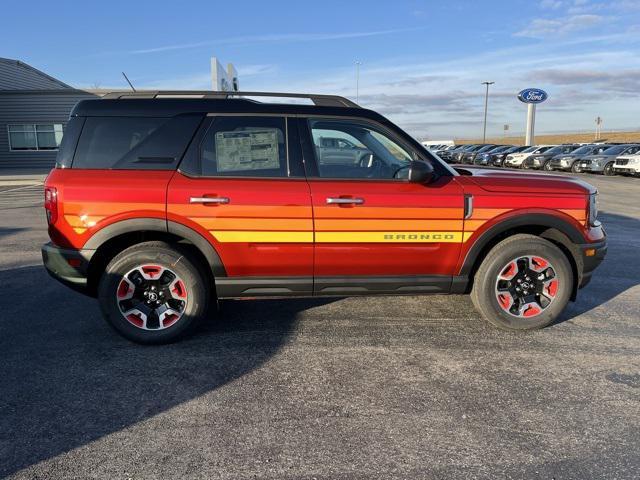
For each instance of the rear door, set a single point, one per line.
(242, 187)
(374, 230)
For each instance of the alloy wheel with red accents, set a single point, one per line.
(526, 286)
(153, 292)
(524, 282)
(152, 297)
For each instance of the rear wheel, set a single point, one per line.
(153, 293)
(524, 283)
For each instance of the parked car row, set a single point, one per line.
(605, 158)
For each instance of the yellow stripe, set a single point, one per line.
(389, 237)
(240, 236)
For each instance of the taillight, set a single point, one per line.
(51, 204)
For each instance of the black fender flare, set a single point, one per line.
(523, 220)
(159, 225)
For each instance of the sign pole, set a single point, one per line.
(531, 122)
(531, 96)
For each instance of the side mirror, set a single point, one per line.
(420, 172)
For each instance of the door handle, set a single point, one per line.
(214, 200)
(345, 201)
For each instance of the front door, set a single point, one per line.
(374, 230)
(246, 193)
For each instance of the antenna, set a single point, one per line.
(127, 79)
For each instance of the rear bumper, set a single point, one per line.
(590, 262)
(69, 267)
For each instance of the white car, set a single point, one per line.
(515, 160)
(627, 165)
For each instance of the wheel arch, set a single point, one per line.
(109, 241)
(558, 231)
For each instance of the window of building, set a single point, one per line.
(35, 137)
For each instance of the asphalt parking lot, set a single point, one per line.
(393, 387)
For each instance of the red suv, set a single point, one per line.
(163, 202)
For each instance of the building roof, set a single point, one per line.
(17, 75)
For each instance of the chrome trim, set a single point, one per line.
(345, 201)
(216, 200)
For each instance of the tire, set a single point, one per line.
(486, 295)
(608, 170)
(575, 167)
(547, 166)
(168, 274)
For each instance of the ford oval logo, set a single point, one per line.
(532, 95)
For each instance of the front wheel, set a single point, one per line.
(608, 169)
(524, 283)
(575, 167)
(153, 293)
(547, 166)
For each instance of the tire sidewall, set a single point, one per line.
(564, 274)
(178, 263)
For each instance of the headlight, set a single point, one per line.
(634, 160)
(593, 210)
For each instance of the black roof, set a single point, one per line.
(168, 104)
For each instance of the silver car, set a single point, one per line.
(604, 162)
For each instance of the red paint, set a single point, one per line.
(88, 200)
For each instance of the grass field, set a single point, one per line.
(630, 137)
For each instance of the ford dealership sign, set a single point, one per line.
(532, 95)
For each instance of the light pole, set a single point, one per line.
(358, 80)
(486, 102)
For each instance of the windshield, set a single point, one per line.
(615, 150)
(502, 148)
(584, 149)
(486, 148)
(530, 149)
(561, 149)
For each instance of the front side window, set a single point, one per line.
(245, 147)
(35, 136)
(368, 153)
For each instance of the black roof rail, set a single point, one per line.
(317, 99)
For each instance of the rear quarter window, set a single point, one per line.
(134, 143)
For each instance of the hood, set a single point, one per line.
(520, 154)
(522, 183)
(599, 155)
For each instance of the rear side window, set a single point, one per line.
(69, 142)
(133, 143)
(245, 147)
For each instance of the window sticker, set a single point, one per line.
(248, 150)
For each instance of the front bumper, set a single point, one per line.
(627, 171)
(69, 267)
(591, 168)
(591, 261)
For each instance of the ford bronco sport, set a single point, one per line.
(161, 203)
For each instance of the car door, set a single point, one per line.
(242, 187)
(374, 230)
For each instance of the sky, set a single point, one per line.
(421, 62)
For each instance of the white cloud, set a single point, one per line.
(546, 27)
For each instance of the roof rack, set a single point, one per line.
(319, 100)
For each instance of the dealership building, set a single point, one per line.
(34, 108)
